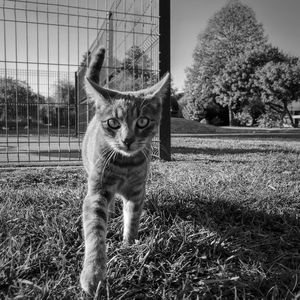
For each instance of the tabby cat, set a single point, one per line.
(116, 152)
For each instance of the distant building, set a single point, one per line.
(295, 111)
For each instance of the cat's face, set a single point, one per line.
(128, 120)
(129, 123)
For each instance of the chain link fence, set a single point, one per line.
(44, 53)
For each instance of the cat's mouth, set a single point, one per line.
(131, 151)
(128, 150)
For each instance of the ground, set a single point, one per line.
(221, 221)
(32, 149)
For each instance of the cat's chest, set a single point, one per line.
(123, 172)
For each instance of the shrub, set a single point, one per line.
(269, 120)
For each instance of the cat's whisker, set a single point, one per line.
(115, 155)
(146, 154)
(109, 154)
(103, 153)
(106, 161)
(98, 159)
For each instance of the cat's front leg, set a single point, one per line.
(132, 209)
(95, 228)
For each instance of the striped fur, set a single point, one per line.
(116, 161)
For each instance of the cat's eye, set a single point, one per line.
(113, 123)
(142, 122)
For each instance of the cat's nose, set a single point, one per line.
(128, 141)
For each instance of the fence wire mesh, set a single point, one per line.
(45, 49)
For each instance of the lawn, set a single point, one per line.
(221, 221)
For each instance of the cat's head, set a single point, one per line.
(128, 120)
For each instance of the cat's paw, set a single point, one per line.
(92, 279)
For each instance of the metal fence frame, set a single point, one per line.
(52, 130)
(164, 67)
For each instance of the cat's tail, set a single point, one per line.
(96, 65)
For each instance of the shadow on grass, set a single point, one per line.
(260, 249)
(223, 151)
(236, 136)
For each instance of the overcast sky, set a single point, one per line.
(280, 18)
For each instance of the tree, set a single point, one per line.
(18, 101)
(222, 40)
(175, 96)
(63, 112)
(280, 82)
(64, 92)
(138, 64)
(134, 73)
(236, 86)
(175, 107)
(124, 80)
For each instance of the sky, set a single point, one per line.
(280, 19)
(63, 49)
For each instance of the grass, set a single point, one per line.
(221, 221)
(183, 126)
(180, 125)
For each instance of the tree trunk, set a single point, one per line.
(289, 115)
(230, 114)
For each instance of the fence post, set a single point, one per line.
(76, 106)
(164, 67)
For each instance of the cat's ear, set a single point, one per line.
(95, 66)
(98, 93)
(159, 89)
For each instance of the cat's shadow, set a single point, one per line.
(247, 237)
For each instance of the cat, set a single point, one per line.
(116, 153)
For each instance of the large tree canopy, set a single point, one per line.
(230, 32)
(135, 72)
(17, 100)
(64, 100)
(280, 83)
(236, 85)
(64, 92)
